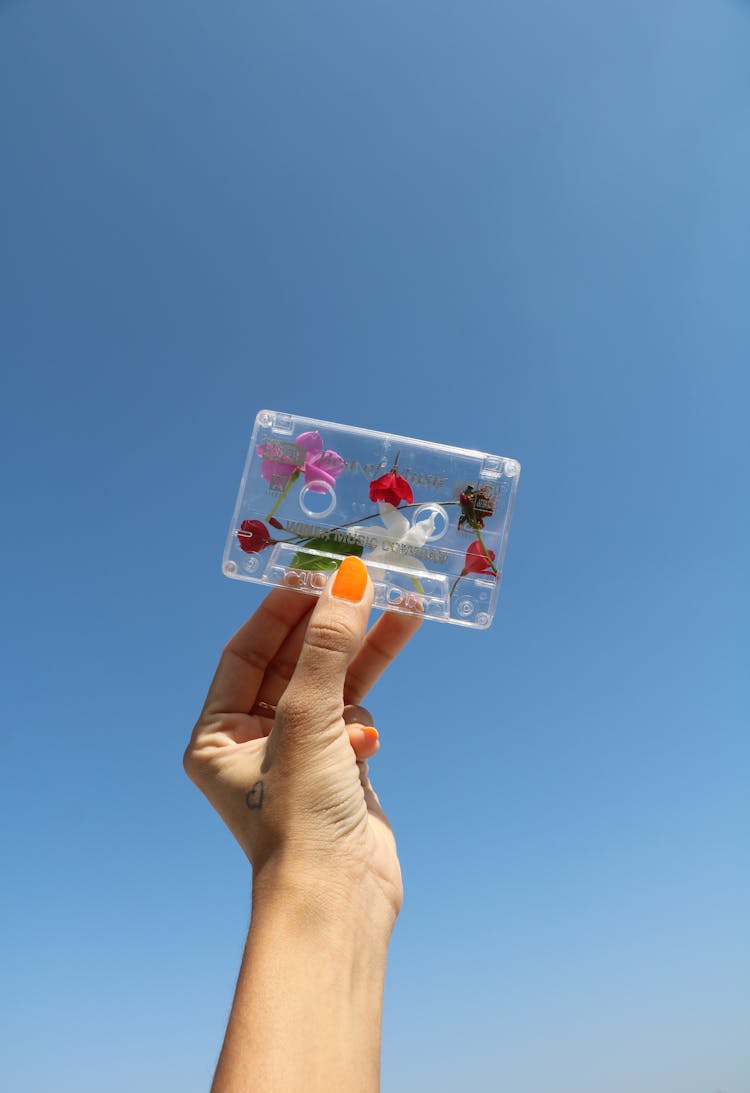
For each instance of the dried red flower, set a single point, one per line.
(253, 536)
(476, 507)
(275, 523)
(391, 488)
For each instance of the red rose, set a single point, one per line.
(478, 560)
(391, 488)
(253, 536)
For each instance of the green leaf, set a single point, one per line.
(301, 560)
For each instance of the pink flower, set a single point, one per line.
(282, 462)
(279, 462)
(321, 468)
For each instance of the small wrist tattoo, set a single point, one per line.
(254, 796)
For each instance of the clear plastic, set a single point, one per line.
(429, 521)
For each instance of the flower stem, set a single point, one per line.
(292, 478)
(375, 515)
(302, 539)
(493, 567)
(458, 578)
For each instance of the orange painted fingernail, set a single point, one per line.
(350, 581)
(371, 733)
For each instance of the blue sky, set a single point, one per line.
(522, 228)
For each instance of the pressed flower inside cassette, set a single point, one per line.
(429, 521)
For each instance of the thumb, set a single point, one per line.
(314, 698)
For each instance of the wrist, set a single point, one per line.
(324, 905)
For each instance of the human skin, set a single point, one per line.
(295, 792)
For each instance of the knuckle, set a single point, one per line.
(330, 637)
(188, 763)
(250, 657)
(194, 755)
(293, 708)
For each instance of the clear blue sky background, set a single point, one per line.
(521, 227)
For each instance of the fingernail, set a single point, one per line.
(371, 733)
(350, 581)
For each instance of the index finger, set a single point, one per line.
(249, 652)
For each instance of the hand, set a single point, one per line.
(295, 790)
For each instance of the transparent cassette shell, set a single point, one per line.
(429, 521)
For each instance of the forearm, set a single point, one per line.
(307, 1010)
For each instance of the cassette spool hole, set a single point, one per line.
(317, 502)
(439, 516)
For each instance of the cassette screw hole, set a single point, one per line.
(465, 608)
(230, 567)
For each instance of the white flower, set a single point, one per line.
(399, 543)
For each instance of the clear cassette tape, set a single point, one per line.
(429, 521)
